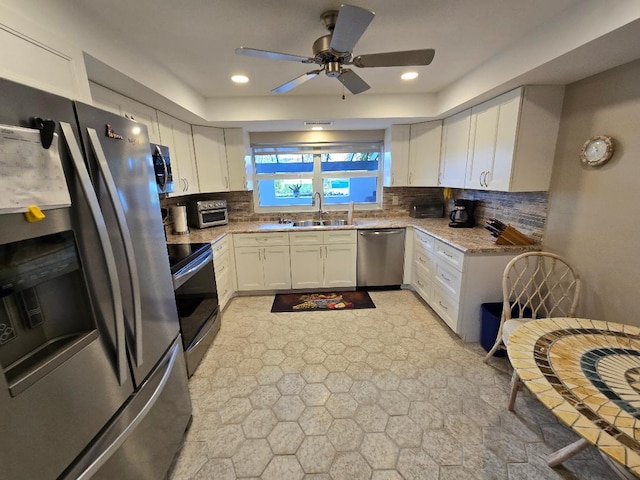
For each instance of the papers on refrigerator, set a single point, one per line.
(30, 174)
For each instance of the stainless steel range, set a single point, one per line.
(194, 282)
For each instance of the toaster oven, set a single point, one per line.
(427, 210)
(207, 213)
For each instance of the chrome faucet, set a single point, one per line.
(319, 204)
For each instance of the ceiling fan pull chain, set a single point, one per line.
(343, 97)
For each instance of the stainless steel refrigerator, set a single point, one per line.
(94, 383)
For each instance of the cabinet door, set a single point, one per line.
(105, 99)
(235, 153)
(276, 266)
(306, 266)
(340, 265)
(249, 268)
(120, 105)
(143, 114)
(500, 174)
(210, 159)
(186, 157)
(176, 135)
(424, 154)
(482, 144)
(455, 146)
(397, 156)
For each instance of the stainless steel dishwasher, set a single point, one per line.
(380, 257)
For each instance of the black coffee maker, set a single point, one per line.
(462, 214)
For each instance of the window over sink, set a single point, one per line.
(287, 176)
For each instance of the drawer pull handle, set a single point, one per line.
(446, 254)
(440, 303)
(445, 277)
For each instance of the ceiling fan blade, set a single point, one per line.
(290, 85)
(351, 24)
(353, 82)
(254, 52)
(395, 59)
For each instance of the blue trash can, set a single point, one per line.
(490, 314)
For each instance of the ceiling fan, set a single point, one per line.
(333, 52)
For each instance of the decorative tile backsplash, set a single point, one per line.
(525, 211)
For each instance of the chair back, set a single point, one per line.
(539, 285)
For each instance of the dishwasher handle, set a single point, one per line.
(372, 233)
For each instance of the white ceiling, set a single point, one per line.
(196, 39)
(483, 48)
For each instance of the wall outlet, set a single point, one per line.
(394, 200)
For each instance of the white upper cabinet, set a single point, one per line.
(236, 150)
(142, 114)
(412, 155)
(120, 105)
(176, 135)
(424, 154)
(32, 54)
(513, 140)
(211, 159)
(455, 148)
(396, 156)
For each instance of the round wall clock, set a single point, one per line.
(597, 151)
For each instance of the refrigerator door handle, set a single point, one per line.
(98, 219)
(125, 236)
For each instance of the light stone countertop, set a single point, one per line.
(467, 240)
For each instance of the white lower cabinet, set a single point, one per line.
(323, 259)
(262, 261)
(224, 266)
(455, 284)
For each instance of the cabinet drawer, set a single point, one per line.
(223, 283)
(446, 307)
(305, 238)
(449, 278)
(427, 241)
(222, 263)
(219, 247)
(339, 236)
(260, 239)
(422, 283)
(423, 259)
(450, 255)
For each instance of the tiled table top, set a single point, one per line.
(588, 373)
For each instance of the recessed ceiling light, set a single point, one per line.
(317, 128)
(409, 75)
(240, 79)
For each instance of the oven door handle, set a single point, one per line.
(182, 276)
(125, 237)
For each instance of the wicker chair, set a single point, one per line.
(534, 285)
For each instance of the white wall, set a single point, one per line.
(593, 218)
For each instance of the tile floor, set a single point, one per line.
(382, 394)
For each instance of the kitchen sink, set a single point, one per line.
(319, 223)
(308, 223)
(335, 223)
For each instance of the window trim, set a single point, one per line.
(317, 149)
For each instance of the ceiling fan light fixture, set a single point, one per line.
(409, 75)
(240, 79)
